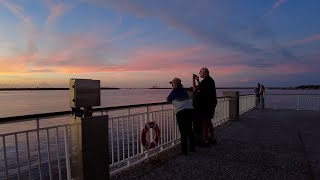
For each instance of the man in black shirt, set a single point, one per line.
(204, 103)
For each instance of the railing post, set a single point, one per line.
(76, 156)
(298, 102)
(233, 104)
(95, 151)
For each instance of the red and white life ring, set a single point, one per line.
(146, 144)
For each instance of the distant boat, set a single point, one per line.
(155, 86)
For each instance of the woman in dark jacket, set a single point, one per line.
(183, 108)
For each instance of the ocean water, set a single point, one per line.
(16, 103)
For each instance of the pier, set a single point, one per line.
(268, 144)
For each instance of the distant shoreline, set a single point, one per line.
(27, 89)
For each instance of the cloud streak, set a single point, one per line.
(55, 11)
(31, 31)
(306, 40)
(278, 3)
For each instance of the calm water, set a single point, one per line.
(15, 103)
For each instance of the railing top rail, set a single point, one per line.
(61, 113)
(292, 94)
(246, 95)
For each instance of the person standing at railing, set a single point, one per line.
(204, 103)
(184, 113)
(261, 96)
(257, 92)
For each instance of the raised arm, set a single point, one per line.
(194, 79)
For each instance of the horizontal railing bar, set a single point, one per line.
(60, 113)
(39, 129)
(33, 116)
(246, 94)
(139, 154)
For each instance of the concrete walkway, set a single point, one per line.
(269, 144)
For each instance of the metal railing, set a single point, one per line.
(293, 101)
(42, 148)
(125, 132)
(246, 103)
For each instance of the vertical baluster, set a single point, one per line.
(28, 154)
(318, 99)
(128, 138)
(67, 155)
(143, 119)
(151, 130)
(118, 149)
(49, 154)
(17, 153)
(161, 127)
(5, 156)
(112, 142)
(165, 127)
(171, 127)
(299, 102)
(138, 135)
(123, 138)
(226, 113)
(132, 133)
(175, 128)
(39, 151)
(58, 157)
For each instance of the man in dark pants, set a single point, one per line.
(204, 103)
(257, 92)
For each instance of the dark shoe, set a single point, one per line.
(213, 141)
(205, 144)
(193, 149)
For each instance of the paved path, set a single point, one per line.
(270, 144)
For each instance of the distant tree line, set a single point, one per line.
(308, 87)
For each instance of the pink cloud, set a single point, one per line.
(55, 10)
(145, 59)
(278, 3)
(153, 59)
(293, 68)
(247, 79)
(307, 40)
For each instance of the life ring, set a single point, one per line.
(146, 144)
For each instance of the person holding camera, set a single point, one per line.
(204, 103)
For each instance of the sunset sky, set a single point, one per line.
(139, 43)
